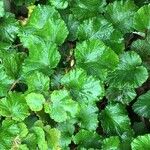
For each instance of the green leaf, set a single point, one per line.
(24, 2)
(114, 119)
(88, 117)
(87, 139)
(59, 4)
(14, 106)
(141, 142)
(111, 143)
(121, 13)
(83, 9)
(40, 138)
(37, 82)
(43, 56)
(2, 11)
(53, 137)
(61, 107)
(10, 131)
(46, 23)
(142, 19)
(5, 82)
(83, 88)
(100, 28)
(93, 56)
(123, 95)
(129, 73)
(9, 28)
(35, 101)
(142, 105)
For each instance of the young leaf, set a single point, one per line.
(121, 13)
(2, 11)
(61, 107)
(142, 105)
(114, 120)
(43, 56)
(83, 88)
(100, 28)
(93, 56)
(129, 73)
(142, 19)
(141, 142)
(111, 143)
(35, 101)
(14, 106)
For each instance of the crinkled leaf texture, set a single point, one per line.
(61, 107)
(2, 12)
(59, 4)
(100, 28)
(111, 143)
(129, 73)
(114, 119)
(121, 14)
(141, 142)
(46, 23)
(96, 58)
(43, 56)
(142, 105)
(14, 106)
(87, 139)
(83, 88)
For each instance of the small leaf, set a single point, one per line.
(35, 101)
(142, 105)
(83, 88)
(2, 11)
(141, 142)
(59, 4)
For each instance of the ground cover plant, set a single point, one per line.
(74, 75)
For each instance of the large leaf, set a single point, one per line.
(83, 9)
(43, 56)
(142, 105)
(14, 106)
(46, 22)
(37, 82)
(114, 119)
(5, 82)
(9, 28)
(88, 117)
(61, 107)
(10, 133)
(111, 143)
(141, 142)
(100, 28)
(93, 56)
(129, 73)
(142, 19)
(87, 139)
(83, 88)
(121, 13)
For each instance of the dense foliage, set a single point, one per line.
(74, 74)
